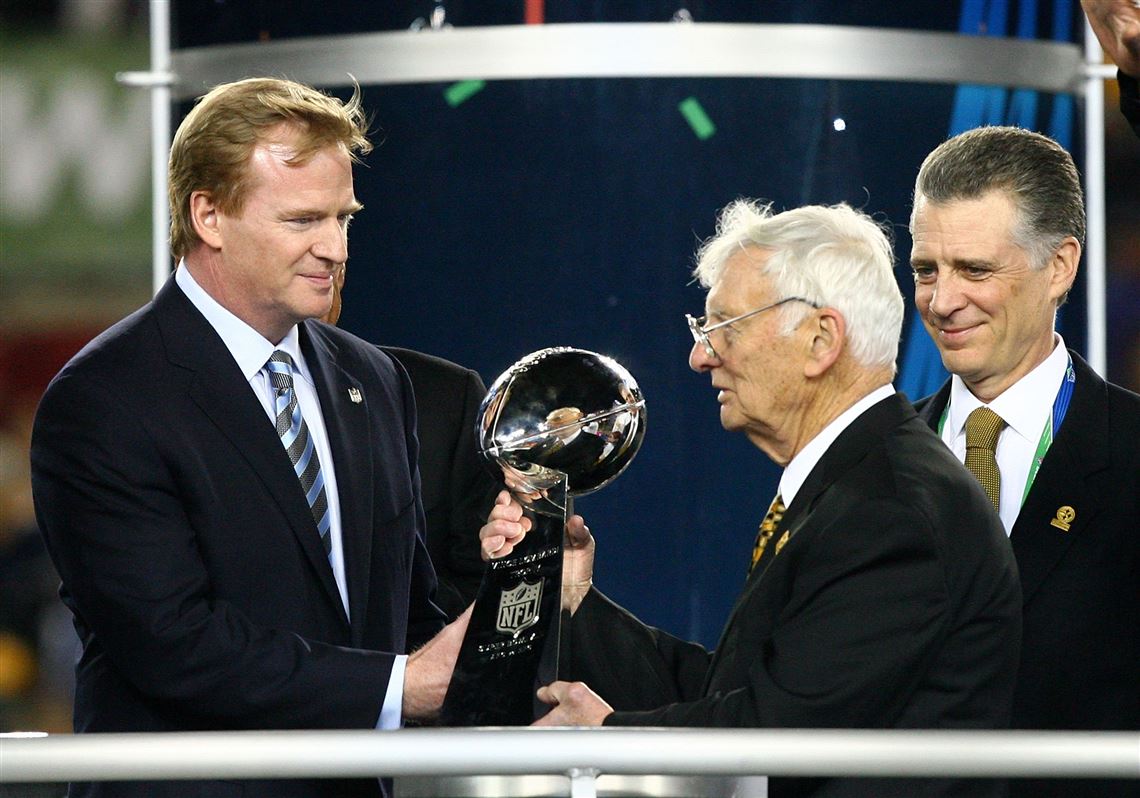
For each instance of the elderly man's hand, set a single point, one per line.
(575, 704)
(577, 563)
(1116, 24)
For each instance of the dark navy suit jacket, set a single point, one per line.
(189, 557)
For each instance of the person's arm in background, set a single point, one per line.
(1116, 24)
(471, 492)
(458, 489)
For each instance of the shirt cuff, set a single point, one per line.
(391, 713)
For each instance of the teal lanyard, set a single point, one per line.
(1052, 425)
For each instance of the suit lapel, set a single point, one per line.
(751, 585)
(848, 449)
(930, 409)
(1079, 451)
(193, 344)
(347, 425)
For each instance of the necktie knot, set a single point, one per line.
(983, 426)
(280, 368)
(982, 429)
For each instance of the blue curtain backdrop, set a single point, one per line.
(505, 217)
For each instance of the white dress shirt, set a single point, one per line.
(251, 351)
(1026, 407)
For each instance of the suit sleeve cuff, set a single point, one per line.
(391, 713)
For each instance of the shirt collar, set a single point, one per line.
(1025, 406)
(249, 348)
(802, 464)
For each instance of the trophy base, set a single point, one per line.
(609, 785)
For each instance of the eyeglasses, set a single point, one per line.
(701, 332)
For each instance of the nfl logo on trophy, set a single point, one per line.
(518, 608)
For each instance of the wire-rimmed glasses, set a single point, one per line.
(701, 332)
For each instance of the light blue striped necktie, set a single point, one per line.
(294, 434)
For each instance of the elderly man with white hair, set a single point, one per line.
(881, 592)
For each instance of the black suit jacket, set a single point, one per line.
(188, 553)
(458, 489)
(1080, 663)
(894, 604)
(1129, 99)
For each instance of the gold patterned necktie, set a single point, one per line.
(767, 529)
(982, 429)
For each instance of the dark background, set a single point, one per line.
(534, 213)
(565, 212)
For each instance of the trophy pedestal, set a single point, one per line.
(511, 646)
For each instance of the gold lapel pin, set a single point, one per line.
(780, 543)
(355, 396)
(1065, 516)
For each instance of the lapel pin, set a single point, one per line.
(780, 543)
(1065, 516)
(355, 396)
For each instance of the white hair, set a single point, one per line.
(834, 256)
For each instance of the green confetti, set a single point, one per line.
(461, 92)
(696, 117)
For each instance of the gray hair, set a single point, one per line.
(834, 256)
(1033, 170)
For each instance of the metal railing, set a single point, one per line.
(581, 754)
(645, 50)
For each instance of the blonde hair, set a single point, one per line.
(214, 143)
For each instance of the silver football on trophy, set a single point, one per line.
(562, 410)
